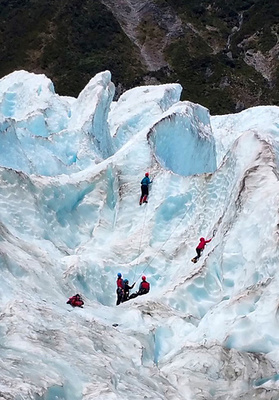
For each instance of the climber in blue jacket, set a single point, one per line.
(145, 182)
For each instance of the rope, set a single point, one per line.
(149, 263)
(168, 238)
(144, 218)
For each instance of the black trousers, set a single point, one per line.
(119, 293)
(139, 293)
(199, 252)
(144, 190)
(125, 297)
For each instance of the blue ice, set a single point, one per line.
(74, 227)
(8, 104)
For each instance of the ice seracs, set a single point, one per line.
(70, 172)
(89, 113)
(183, 141)
(139, 108)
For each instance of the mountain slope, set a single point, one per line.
(225, 55)
(68, 40)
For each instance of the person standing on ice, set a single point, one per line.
(120, 289)
(200, 248)
(127, 289)
(145, 182)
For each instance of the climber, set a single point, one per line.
(144, 188)
(120, 289)
(143, 288)
(127, 289)
(200, 248)
(76, 301)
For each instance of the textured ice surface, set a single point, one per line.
(183, 141)
(70, 172)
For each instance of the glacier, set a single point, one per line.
(70, 172)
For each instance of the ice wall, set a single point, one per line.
(90, 112)
(262, 120)
(139, 108)
(45, 134)
(70, 221)
(183, 141)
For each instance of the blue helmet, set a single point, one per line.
(119, 275)
(126, 280)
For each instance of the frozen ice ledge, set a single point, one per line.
(43, 133)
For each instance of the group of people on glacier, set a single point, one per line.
(123, 287)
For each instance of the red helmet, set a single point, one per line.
(147, 174)
(143, 278)
(202, 239)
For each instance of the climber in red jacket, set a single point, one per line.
(76, 301)
(200, 248)
(144, 288)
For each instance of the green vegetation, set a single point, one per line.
(70, 41)
(212, 80)
(211, 73)
(149, 30)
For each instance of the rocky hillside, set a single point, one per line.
(224, 54)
